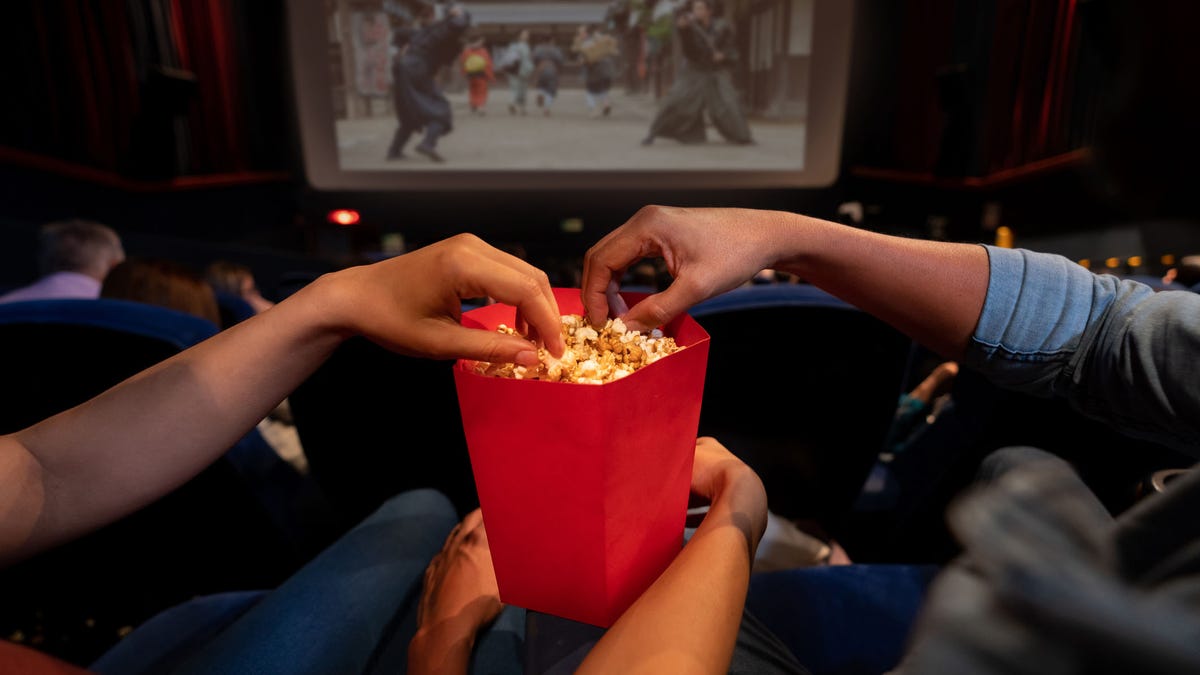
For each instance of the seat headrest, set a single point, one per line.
(177, 328)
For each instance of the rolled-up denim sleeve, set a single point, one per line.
(1116, 350)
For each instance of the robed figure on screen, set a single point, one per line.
(704, 83)
(420, 103)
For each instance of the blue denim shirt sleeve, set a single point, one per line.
(1116, 350)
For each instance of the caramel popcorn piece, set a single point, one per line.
(592, 356)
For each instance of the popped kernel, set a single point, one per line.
(592, 356)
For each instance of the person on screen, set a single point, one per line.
(420, 103)
(704, 84)
(548, 61)
(519, 66)
(476, 62)
(598, 50)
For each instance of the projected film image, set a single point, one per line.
(627, 85)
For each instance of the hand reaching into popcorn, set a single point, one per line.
(931, 290)
(70, 473)
(707, 251)
(411, 304)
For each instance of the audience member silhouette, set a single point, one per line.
(163, 283)
(74, 256)
(238, 281)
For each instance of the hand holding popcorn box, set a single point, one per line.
(583, 464)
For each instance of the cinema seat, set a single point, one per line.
(944, 460)
(212, 534)
(374, 423)
(802, 386)
(232, 308)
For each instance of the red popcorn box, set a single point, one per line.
(584, 487)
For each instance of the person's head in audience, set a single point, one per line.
(163, 283)
(80, 246)
(237, 280)
(74, 256)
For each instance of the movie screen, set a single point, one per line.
(628, 85)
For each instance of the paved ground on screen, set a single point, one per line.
(568, 139)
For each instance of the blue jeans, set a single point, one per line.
(847, 619)
(350, 610)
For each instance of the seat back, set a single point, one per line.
(944, 459)
(803, 387)
(60, 353)
(232, 308)
(210, 534)
(374, 423)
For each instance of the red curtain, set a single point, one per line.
(82, 86)
(1029, 85)
(1030, 99)
(925, 46)
(204, 35)
(82, 68)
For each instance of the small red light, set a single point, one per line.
(344, 217)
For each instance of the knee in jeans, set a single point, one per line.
(423, 501)
(1004, 460)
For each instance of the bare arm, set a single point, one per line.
(117, 452)
(687, 621)
(933, 291)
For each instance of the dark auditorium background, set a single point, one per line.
(173, 121)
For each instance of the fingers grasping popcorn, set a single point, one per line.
(592, 356)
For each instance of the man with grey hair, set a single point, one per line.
(74, 256)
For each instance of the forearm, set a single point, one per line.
(687, 621)
(932, 291)
(123, 449)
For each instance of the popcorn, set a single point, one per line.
(591, 357)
